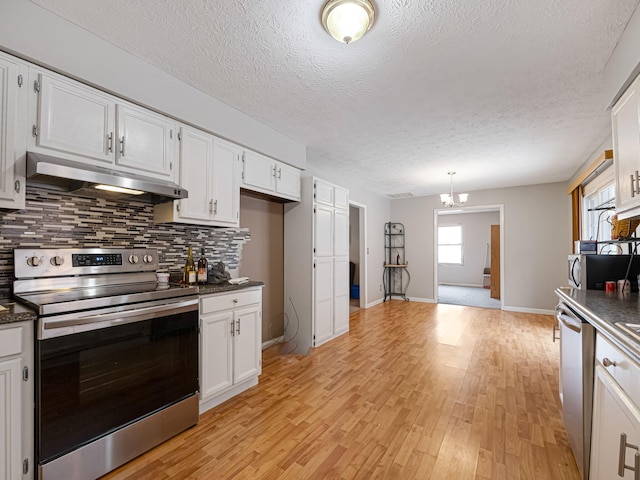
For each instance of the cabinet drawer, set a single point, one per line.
(10, 341)
(624, 370)
(224, 301)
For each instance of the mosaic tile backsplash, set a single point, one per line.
(57, 220)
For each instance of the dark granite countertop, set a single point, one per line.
(227, 287)
(606, 311)
(15, 312)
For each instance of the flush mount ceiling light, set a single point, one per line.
(447, 198)
(347, 20)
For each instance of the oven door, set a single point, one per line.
(92, 383)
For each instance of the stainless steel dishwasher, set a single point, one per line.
(577, 353)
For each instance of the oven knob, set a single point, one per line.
(34, 261)
(57, 261)
(148, 258)
(133, 259)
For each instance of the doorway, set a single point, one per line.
(357, 257)
(468, 258)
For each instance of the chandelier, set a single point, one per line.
(447, 198)
(347, 20)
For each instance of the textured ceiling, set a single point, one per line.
(505, 92)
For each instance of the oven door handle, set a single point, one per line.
(104, 320)
(569, 319)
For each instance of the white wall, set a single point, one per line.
(35, 34)
(537, 240)
(476, 235)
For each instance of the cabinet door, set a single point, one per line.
(340, 197)
(258, 172)
(341, 295)
(323, 192)
(288, 181)
(323, 300)
(613, 414)
(10, 433)
(341, 233)
(196, 161)
(626, 146)
(145, 142)
(215, 353)
(13, 107)
(323, 231)
(226, 192)
(247, 343)
(75, 120)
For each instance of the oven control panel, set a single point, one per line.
(47, 262)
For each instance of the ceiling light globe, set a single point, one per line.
(347, 20)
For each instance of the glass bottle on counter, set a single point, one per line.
(203, 267)
(189, 269)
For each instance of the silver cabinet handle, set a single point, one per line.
(122, 146)
(279, 174)
(233, 330)
(637, 189)
(16, 186)
(210, 206)
(608, 363)
(273, 167)
(110, 142)
(633, 186)
(622, 458)
(215, 207)
(238, 330)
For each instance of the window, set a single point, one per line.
(450, 245)
(597, 223)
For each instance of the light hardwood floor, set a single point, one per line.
(413, 391)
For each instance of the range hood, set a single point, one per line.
(64, 175)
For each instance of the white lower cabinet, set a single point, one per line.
(230, 344)
(615, 438)
(16, 401)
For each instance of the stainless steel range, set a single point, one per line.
(116, 356)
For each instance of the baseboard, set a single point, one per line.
(539, 311)
(374, 303)
(475, 285)
(421, 300)
(273, 341)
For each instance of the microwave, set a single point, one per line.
(590, 272)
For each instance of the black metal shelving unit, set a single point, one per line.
(396, 276)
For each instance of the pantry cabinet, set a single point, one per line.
(83, 124)
(616, 415)
(317, 264)
(230, 344)
(265, 175)
(625, 117)
(209, 172)
(16, 401)
(13, 108)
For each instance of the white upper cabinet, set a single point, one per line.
(145, 142)
(13, 108)
(74, 119)
(209, 172)
(625, 117)
(80, 123)
(265, 175)
(226, 199)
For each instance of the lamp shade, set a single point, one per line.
(347, 20)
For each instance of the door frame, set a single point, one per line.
(460, 211)
(362, 223)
